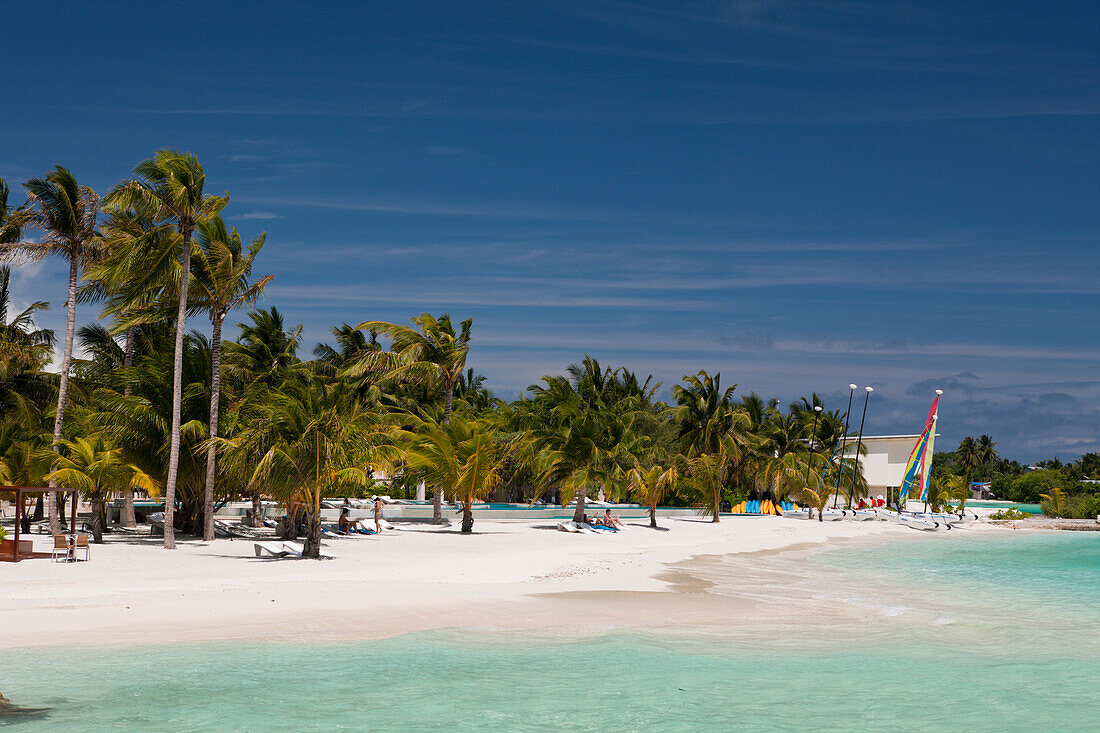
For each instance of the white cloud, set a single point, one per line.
(257, 215)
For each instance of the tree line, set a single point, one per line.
(1069, 490)
(187, 415)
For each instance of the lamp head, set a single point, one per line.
(869, 389)
(817, 408)
(939, 391)
(853, 386)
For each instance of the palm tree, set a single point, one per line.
(967, 456)
(66, 214)
(222, 275)
(465, 455)
(651, 485)
(469, 388)
(137, 274)
(986, 452)
(21, 461)
(169, 188)
(817, 498)
(787, 473)
(431, 353)
(586, 427)
(781, 448)
(705, 412)
(957, 489)
(96, 468)
(24, 351)
(315, 438)
(351, 344)
(708, 474)
(265, 354)
(1054, 503)
(10, 225)
(139, 419)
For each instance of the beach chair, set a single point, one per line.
(61, 547)
(80, 542)
(276, 549)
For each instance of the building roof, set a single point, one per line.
(853, 438)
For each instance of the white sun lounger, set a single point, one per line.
(277, 549)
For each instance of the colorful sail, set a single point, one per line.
(920, 460)
(926, 461)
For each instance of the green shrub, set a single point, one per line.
(1082, 507)
(1012, 513)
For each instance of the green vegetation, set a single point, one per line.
(1011, 513)
(201, 419)
(1063, 490)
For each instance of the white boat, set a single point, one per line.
(831, 515)
(911, 520)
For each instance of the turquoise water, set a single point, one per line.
(1041, 579)
(1020, 653)
(1029, 508)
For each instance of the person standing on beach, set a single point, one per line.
(378, 514)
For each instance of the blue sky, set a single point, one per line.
(800, 195)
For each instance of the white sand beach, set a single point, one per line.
(509, 575)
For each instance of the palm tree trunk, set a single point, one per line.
(129, 517)
(211, 459)
(63, 387)
(717, 500)
(98, 511)
(578, 514)
(448, 402)
(653, 517)
(437, 494)
(257, 511)
(467, 517)
(312, 545)
(177, 399)
(437, 505)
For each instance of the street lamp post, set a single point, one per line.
(813, 442)
(859, 440)
(843, 438)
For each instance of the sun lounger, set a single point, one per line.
(221, 529)
(577, 527)
(277, 549)
(272, 549)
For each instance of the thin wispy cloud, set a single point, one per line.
(798, 194)
(257, 215)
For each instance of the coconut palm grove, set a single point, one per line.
(175, 378)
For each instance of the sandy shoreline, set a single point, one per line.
(508, 576)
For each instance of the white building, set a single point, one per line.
(885, 459)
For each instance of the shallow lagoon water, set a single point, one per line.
(1032, 664)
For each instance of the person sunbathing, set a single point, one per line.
(349, 525)
(611, 521)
